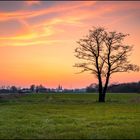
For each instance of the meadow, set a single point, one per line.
(69, 116)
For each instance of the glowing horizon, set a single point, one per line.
(38, 38)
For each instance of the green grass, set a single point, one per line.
(70, 116)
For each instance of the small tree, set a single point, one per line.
(103, 54)
(13, 89)
(32, 88)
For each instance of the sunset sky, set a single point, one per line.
(38, 38)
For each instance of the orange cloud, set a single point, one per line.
(30, 34)
(30, 2)
(56, 8)
(33, 32)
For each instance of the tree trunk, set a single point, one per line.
(100, 89)
(101, 97)
(105, 87)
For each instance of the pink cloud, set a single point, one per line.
(55, 9)
(30, 2)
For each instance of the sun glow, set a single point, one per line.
(37, 40)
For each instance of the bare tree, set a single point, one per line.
(103, 54)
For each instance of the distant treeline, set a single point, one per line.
(133, 87)
(31, 89)
(39, 89)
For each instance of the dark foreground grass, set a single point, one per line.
(69, 116)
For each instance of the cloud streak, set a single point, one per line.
(31, 33)
(25, 14)
(42, 31)
(30, 2)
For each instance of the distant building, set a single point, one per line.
(59, 89)
(24, 90)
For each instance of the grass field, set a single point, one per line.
(69, 116)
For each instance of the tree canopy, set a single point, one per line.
(103, 54)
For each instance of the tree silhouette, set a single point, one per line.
(103, 54)
(32, 88)
(13, 89)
